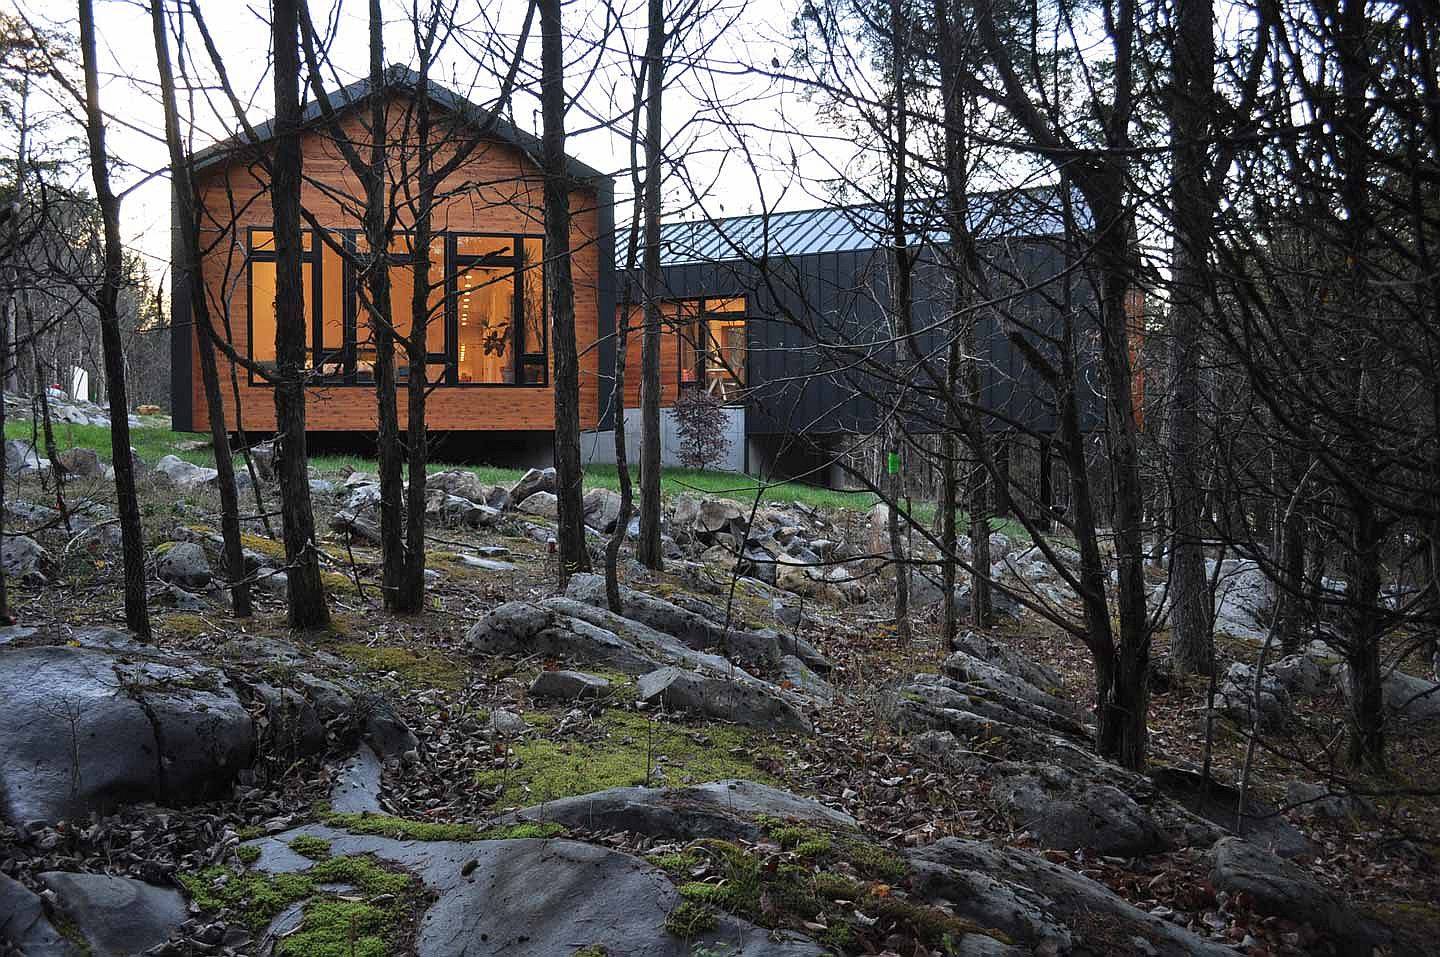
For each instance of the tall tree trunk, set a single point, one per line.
(186, 274)
(382, 331)
(307, 608)
(901, 297)
(647, 550)
(1193, 64)
(132, 538)
(561, 290)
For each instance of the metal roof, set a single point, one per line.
(401, 79)
(1013, 214)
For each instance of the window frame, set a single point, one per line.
(452, 261)
(696, 312)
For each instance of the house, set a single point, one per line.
(787, 317)
(489, 358)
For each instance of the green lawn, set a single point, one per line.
(154, 441)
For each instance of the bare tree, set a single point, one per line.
(648, 550)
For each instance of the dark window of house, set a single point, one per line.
(485, 318)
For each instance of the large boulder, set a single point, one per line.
(461, 482)
(742, 702)
(535, 480)
(82, 462)
(1002, 656)
(538, 898)
(22, 558)
(1281, 888)
(116, 916)
(602, 509)
(729, 810)
(1244, 598)
(1043, 906)
(1236, 698)
(25, 927)
(963, 666)
(1216, 802)
(718, 515)
(21, 459)
(183, 564)
(568, 685)
(522, 628)
(541, 504)
(185, 475)
(1067, 813)
(87, 729)
(458, 509)
(1408, 698)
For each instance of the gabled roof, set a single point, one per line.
(1016, 214)
(398, 79)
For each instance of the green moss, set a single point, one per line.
(594, 950)
(248, 853)
(419, 668)
(618, 755)
(183, 623)
(531, 830)
(382, 825)
(337, 928)
(250, 833)
(265, 546)
(798, 890)
(307, 845)
(690, 919)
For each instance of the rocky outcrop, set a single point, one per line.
(568, 685)
(1065, 812)
(185, 475)
(533, 481)
(1281, 888)
(965, 667)
(116, 916)
(1408, 698)
(729, 699)
(538, 898)
(541, 504)
(88, 729)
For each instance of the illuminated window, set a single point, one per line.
(485, 320)
(712, 345)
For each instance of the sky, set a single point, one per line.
(715, 104)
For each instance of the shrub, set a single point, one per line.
(700, 420)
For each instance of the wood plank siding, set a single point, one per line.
(498, 189)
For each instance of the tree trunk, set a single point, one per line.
(132, 537)
(185, 270)
(574, 556)
(307, 608)
(1193, 65)
(647, 549)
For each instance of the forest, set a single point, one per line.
(699, 477)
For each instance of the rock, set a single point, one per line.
(87, 729)
(602, 509)
(84, 462)
(963, 666)
(484, 564)
(357, 479)
(521, 628)
(1068, 814)
(21, 459)
(568, 685)
(183, 564)
(459, 510)
(1244, 598)
(273, 582)
(1041, 906)
(878, 540)
(989, 650)
(357, 785)
(802, 679)
(1298, 674)
(462, 482)
(116, 916)
(320, 487)
(535, 480)
(507, 723)
(263, 455)
(1408, 698)
(186, 476)
(699, 625)
(937, 702)
(1216, 802)
(742, 702)
(1282, 889)
(687, 510)
(540, 504)
(728, 810)
(21, 557)
(1235, 697)
(355, 528)
(538, 898)
(1314, 801)
(718, 515)
(26, 927)
(359, 498)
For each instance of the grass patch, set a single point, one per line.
(427, 668)
(617, 756)
(332, 926)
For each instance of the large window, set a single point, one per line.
(485, 323)
(712, 345)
